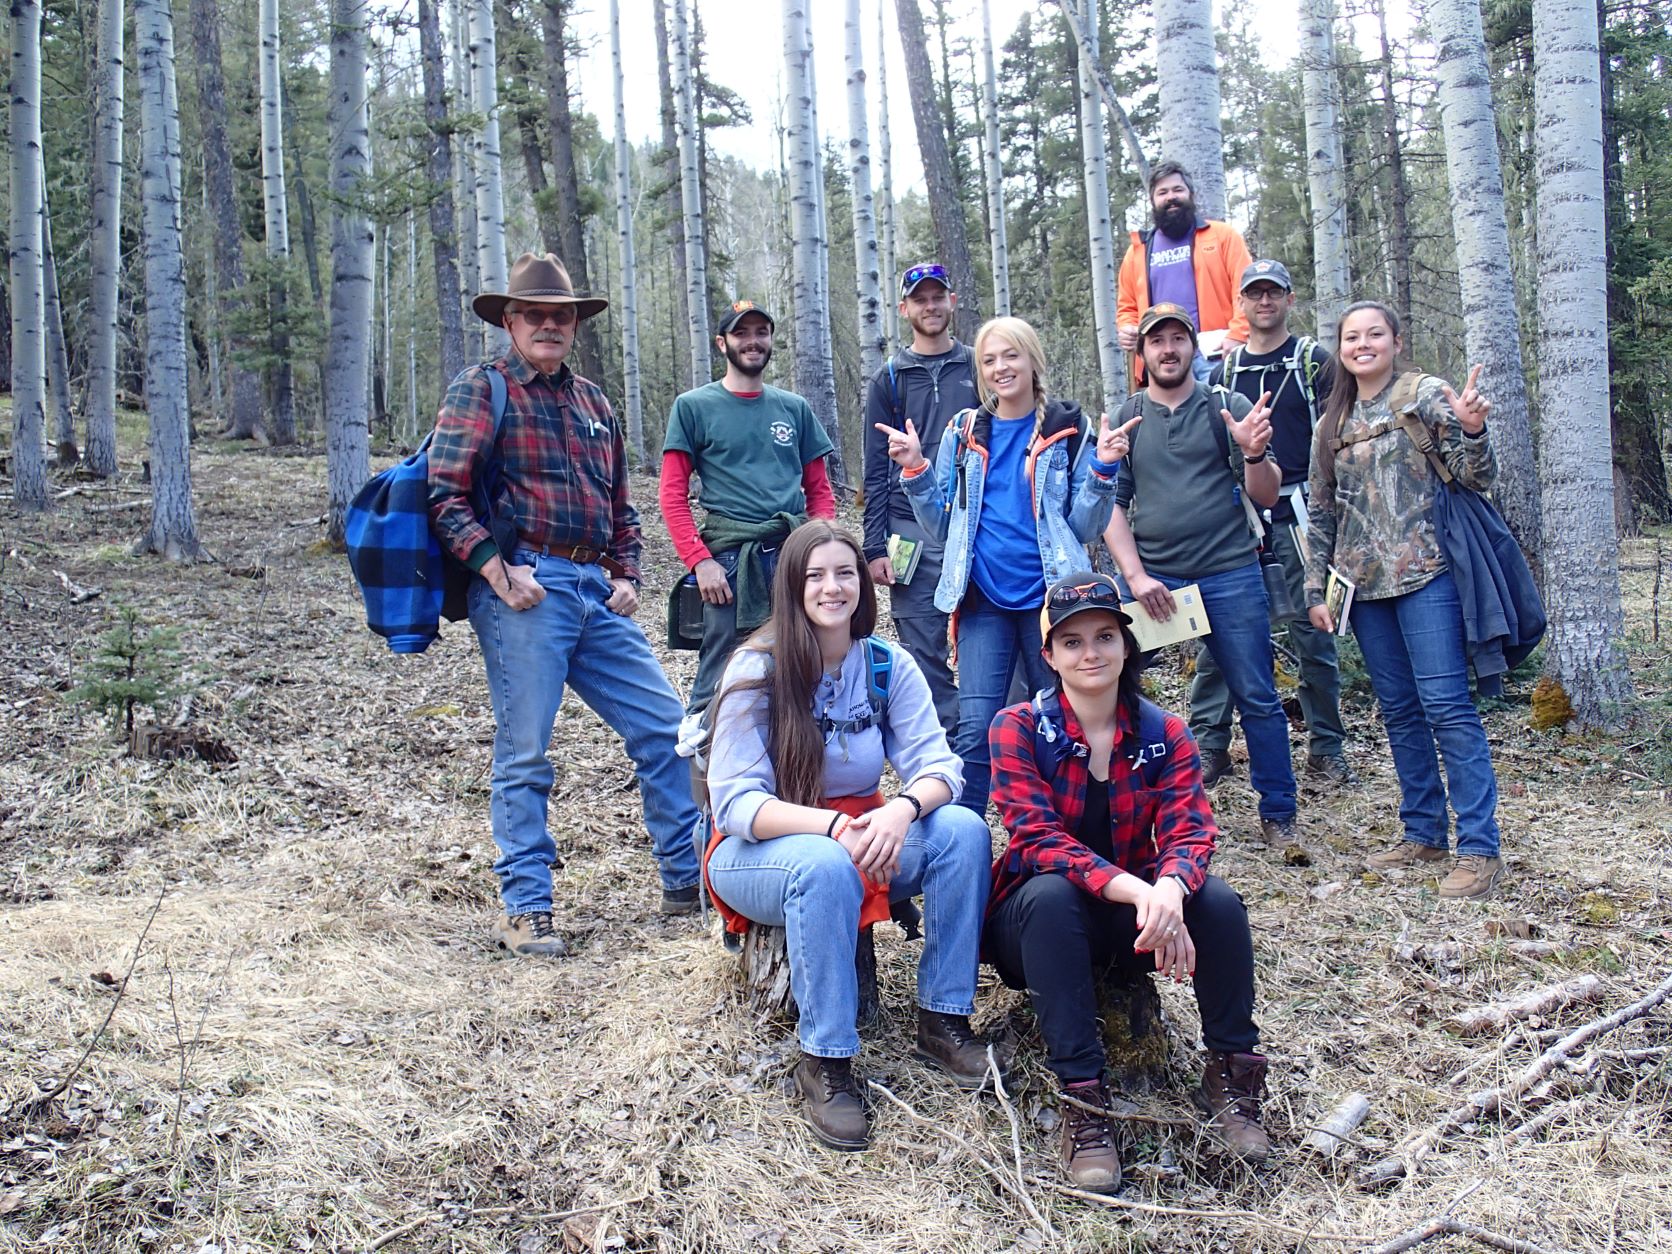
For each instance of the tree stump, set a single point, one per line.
(1134, 1029)
(764, 965)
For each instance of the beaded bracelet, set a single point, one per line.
(916, 805)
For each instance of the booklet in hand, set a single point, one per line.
(1188, 621)
(1338, 598)
(904, 554)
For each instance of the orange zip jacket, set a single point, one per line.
(1217, 255)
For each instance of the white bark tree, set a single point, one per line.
(492, 264)
(624, 235)
(281, 392)
(464, 187)
(444, 249)
(885, 190)
(691, 198)
(1129, 133)
(997, 240)
(57, 348)
(814, 370)
(173, 528)
(105, 243)
(873, 342)
(823, 398)
(1582, 556)
(1101, 229)
(1188, 75)
(29, 481)
(1492, 332)
(1326, 168)
(348, 337)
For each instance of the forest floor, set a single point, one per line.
(311, 1045)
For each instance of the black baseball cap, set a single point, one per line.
(924, 272)
(1083, 590)
(734, 315)
(1266, 271)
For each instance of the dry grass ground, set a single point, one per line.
(316, 1049)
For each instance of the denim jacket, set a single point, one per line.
(1071, 505)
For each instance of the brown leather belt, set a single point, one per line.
(585, 554)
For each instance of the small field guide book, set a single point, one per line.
(1189, 620)
(904, 554)
(1338, 598)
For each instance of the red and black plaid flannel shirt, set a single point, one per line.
(562, 460)
(1168, 830)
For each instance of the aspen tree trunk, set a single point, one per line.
(464, 184)
(1575, 454)
(946, 202)
(281, 391)
(440, 166)
(228, 234)
(1492, 332)
(669, 114)
(29, 480)
(1326, 168)
(412, 323)
(824, 401)
(814, 369)
(632, 395)
(691, 196)
(173, 528)
(1134, 145)
(570, 218)
(490, 190)
(347, 345)
(1111, 366)
(885, 197)
(1399, 192)
(995, 172)
(57, 351)
(873, 343)
(105, 242)
(1188, 73)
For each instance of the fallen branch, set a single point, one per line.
(1015, 1128)
(1498, 1015)
(78, 594)
(1415, 1148)
(395, 1234)
(116, 508)
(1456, 1227)
(1328, 1137)
(1129, 1116)
(1250, 1217)
(1539, 1122)
(31, 1103)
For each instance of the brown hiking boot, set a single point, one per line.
(1089, 1157)
(1230, 1094)
(835, 1107)
(1474, 876)
(1216, 765)
(1332, 767)
(948, 1042)
(529, 935)
(1404, 856)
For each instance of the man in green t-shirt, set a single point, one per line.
(760, 454)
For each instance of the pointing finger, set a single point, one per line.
(885, 428)
(1474, 376)
(1125, 428)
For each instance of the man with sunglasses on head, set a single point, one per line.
(927, 383)
(1291, 369)
(558, 557)
(760, 453)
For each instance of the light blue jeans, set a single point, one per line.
(993, 644)
(1413, 648)
(809, 886)
(571, 638)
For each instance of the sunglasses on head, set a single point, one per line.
(536, 316)
(1091, 593)
(917, 274)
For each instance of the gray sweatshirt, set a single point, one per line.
(741, 778)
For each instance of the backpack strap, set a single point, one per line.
(1255, 524)
(1052, 745)
(898, 405)
(880, 659)
(1152, 742)
(1307, 371)
(1403, 403)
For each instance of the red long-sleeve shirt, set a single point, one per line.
(674, 494)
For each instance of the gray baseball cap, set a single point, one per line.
(1266, 271)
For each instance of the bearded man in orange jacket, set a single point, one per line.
(1188, 260)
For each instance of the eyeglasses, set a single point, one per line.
(1096, 593)
(917, 274)
(536, 316)
(1264, 293)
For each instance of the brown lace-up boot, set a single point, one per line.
(951, 1044)
(1232, 1086)
(529, 935)
(1089, 1157)
(835, 1107)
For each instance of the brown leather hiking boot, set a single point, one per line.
(1216, 765)
(529, 935)
(835, 1106)
(1089, 1157)
(1475, 875)
(1230, 1094)
(1405, 856)
(948, 1042)
(1332, 767)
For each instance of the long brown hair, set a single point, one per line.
(793, 743)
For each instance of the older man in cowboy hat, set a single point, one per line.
(557, 589)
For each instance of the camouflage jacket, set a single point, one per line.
(1378, 527)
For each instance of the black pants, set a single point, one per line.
(1054, 939)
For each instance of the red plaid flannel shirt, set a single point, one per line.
(1165, 831)
(562, 459)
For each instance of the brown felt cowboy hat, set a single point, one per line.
(537, 280)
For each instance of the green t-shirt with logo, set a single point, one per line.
(749, 450)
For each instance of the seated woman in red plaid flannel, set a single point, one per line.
(1110, 837)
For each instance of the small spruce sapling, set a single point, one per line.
(133, 667)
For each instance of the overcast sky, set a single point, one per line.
(744, 49)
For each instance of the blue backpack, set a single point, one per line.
(1052, 747)
(407, 580)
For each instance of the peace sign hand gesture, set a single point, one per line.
(1114, 443)
(905, 450)
(1470, 408)
(1253, 433)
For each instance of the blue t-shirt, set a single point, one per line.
(1006, 565)
(1172, 276)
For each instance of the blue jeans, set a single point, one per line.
(1240, 641)
(991, 641)
(809, 886)
(530, 654)
(1413, 648)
